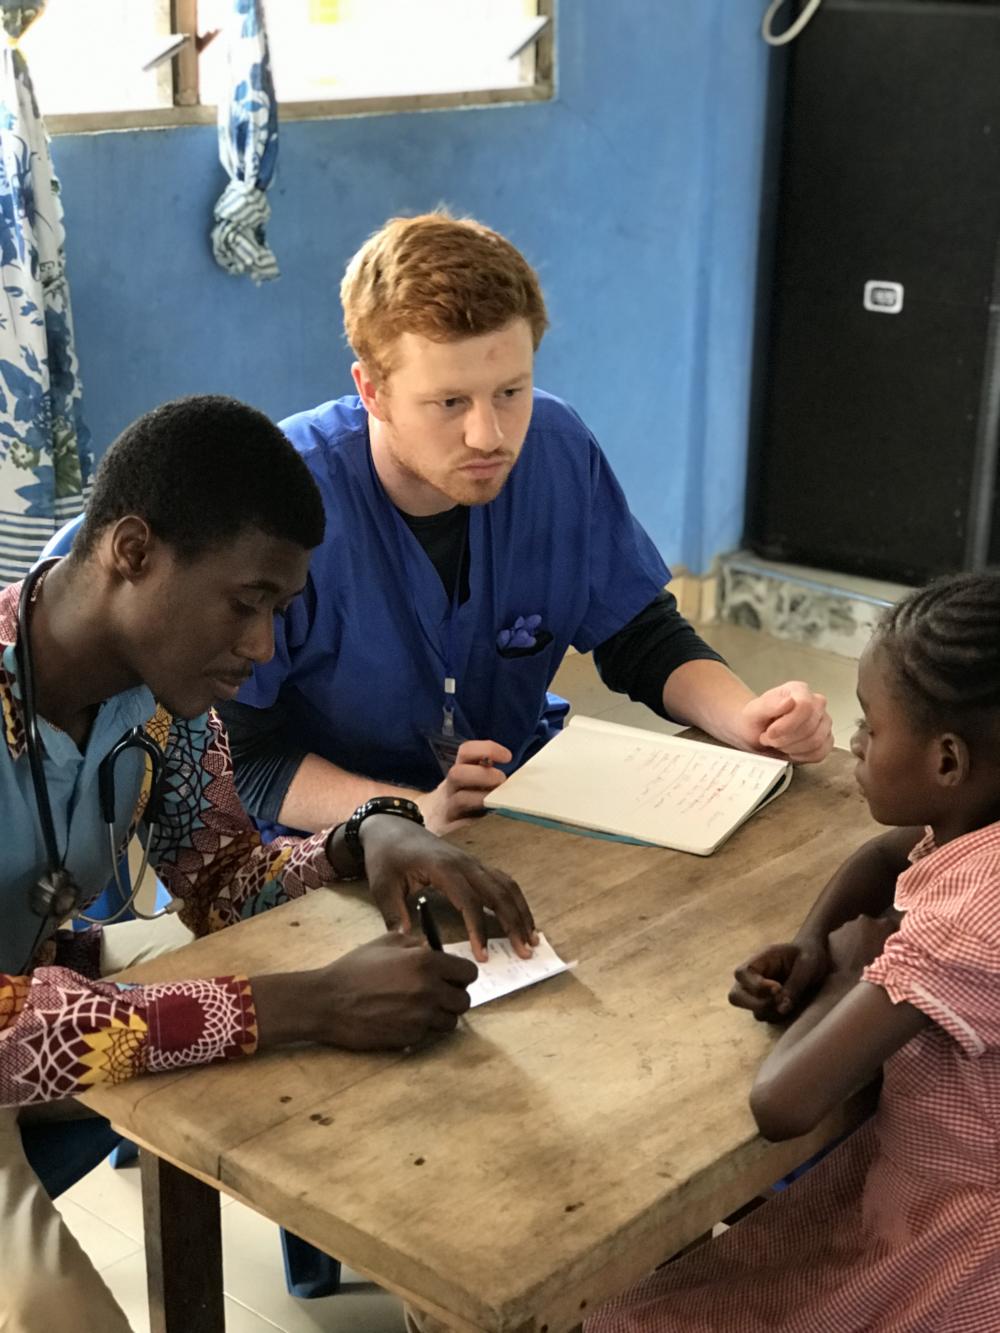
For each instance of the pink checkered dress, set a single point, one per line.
(898, 1230)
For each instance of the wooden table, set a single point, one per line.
(516, 1175)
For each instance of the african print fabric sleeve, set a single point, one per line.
(61, 1032)
(206, 848)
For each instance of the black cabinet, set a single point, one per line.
(878, 359)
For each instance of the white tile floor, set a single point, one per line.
(104, 1211)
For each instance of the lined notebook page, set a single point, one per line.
(642, 784)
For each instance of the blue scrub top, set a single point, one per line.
(361, 656)
(71, 776)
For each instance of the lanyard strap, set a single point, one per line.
(450, 683)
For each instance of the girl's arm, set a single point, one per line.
(775, 982)
(865, 885)
(840, 1042)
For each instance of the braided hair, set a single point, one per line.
(943, 643)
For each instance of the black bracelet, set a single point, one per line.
(377, 805)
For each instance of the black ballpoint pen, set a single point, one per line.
(428, 925)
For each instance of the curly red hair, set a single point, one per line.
(442, 277)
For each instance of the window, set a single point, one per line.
(388, 48)
(156, 62)
(87, 56)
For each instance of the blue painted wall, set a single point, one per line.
(635, 193)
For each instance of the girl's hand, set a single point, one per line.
(859, 942)
(775, 983)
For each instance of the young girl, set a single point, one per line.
(898, 1229)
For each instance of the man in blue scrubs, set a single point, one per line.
(474, 532)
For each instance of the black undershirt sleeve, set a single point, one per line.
(638, 659)
(263, 763)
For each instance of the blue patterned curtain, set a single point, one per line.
(248, 147)
(45, 454)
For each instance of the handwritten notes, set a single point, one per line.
(668, 790)
(713, 784)
(505, 972)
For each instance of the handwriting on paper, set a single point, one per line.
(504, 972)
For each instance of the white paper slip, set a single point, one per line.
(504, 972)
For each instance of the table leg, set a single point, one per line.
(183, 1229)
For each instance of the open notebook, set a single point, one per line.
(642, 785)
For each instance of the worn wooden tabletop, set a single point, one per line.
(513, 1176)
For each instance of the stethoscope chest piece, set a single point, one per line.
(56, 895)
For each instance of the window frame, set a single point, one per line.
(188, 110)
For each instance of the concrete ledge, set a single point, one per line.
(826, 610)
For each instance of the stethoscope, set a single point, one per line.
(56, 896)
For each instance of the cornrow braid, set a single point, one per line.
(944, 645)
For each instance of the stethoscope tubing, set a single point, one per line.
(134, 739)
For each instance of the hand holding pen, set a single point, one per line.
(431, 934)
(459, 797)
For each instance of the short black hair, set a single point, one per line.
(943, 643)
(200, 471)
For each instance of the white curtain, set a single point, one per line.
(45, 454)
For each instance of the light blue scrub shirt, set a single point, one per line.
(81, 832)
